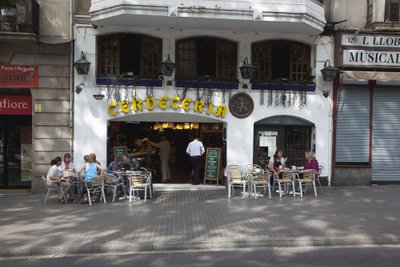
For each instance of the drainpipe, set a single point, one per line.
(330, 10)
(71, 75)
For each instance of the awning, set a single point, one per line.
(371, 75)
(55, 39)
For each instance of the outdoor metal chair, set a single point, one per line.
(53, 186)
(317, 175)
(306, 178)
(284, 179)
(149, 174)
(139, 182)
(235, 178)
(94, 187)
(257, 178)
(113, 183)
(262, 181)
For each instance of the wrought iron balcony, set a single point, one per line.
(19, 16)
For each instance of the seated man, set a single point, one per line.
(131, 164)
(116, 165)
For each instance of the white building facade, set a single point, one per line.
(282, 106)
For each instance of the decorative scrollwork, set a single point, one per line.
(261, 97)
(270, 98)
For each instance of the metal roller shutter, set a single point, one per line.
(386, 134)
(352, 127)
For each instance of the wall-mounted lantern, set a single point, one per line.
(246, 70)
(328, 72)
(167, 67)
(82, 65)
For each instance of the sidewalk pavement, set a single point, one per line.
(205, 219)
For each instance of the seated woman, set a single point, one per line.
(93, 155)
(67, 168)
(311, 163)
(67, 164)
(277, 161)
(55, 179)
(90, 170)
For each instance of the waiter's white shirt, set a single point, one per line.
(195, 148)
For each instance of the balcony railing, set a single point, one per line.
(21, 17)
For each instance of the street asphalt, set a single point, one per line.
(200, 219)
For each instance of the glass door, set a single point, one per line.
(15, 151)
(267, 141)
(293, 140)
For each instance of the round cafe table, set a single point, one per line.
(69, 174)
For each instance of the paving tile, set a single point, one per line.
(201, 217)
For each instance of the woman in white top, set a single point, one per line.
(67, 168)
(67, 164)
(55, 179)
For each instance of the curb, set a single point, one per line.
(202, 245)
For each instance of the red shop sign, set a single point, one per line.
(15, 105)
(19, 76)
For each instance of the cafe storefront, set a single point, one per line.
(205, 88)
(100, 126)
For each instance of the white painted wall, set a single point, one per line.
(90, 131)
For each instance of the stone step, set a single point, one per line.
(185, 187)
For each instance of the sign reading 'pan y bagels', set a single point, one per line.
(19, 76)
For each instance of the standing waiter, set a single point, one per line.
(195, 149)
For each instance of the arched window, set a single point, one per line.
(119, 54)
(213, 58)
(281, 59)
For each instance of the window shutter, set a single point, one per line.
(108, 55)
(353, 126)
(150, 57)
(226, 60)
(261, 59)
(186, 60)
(299, 62)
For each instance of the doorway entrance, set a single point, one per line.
(134, 135)
(15, 151)
(294, 136)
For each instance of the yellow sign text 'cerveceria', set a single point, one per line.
(150, 103)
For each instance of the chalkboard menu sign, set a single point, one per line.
(120, 151)
(212, 166)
